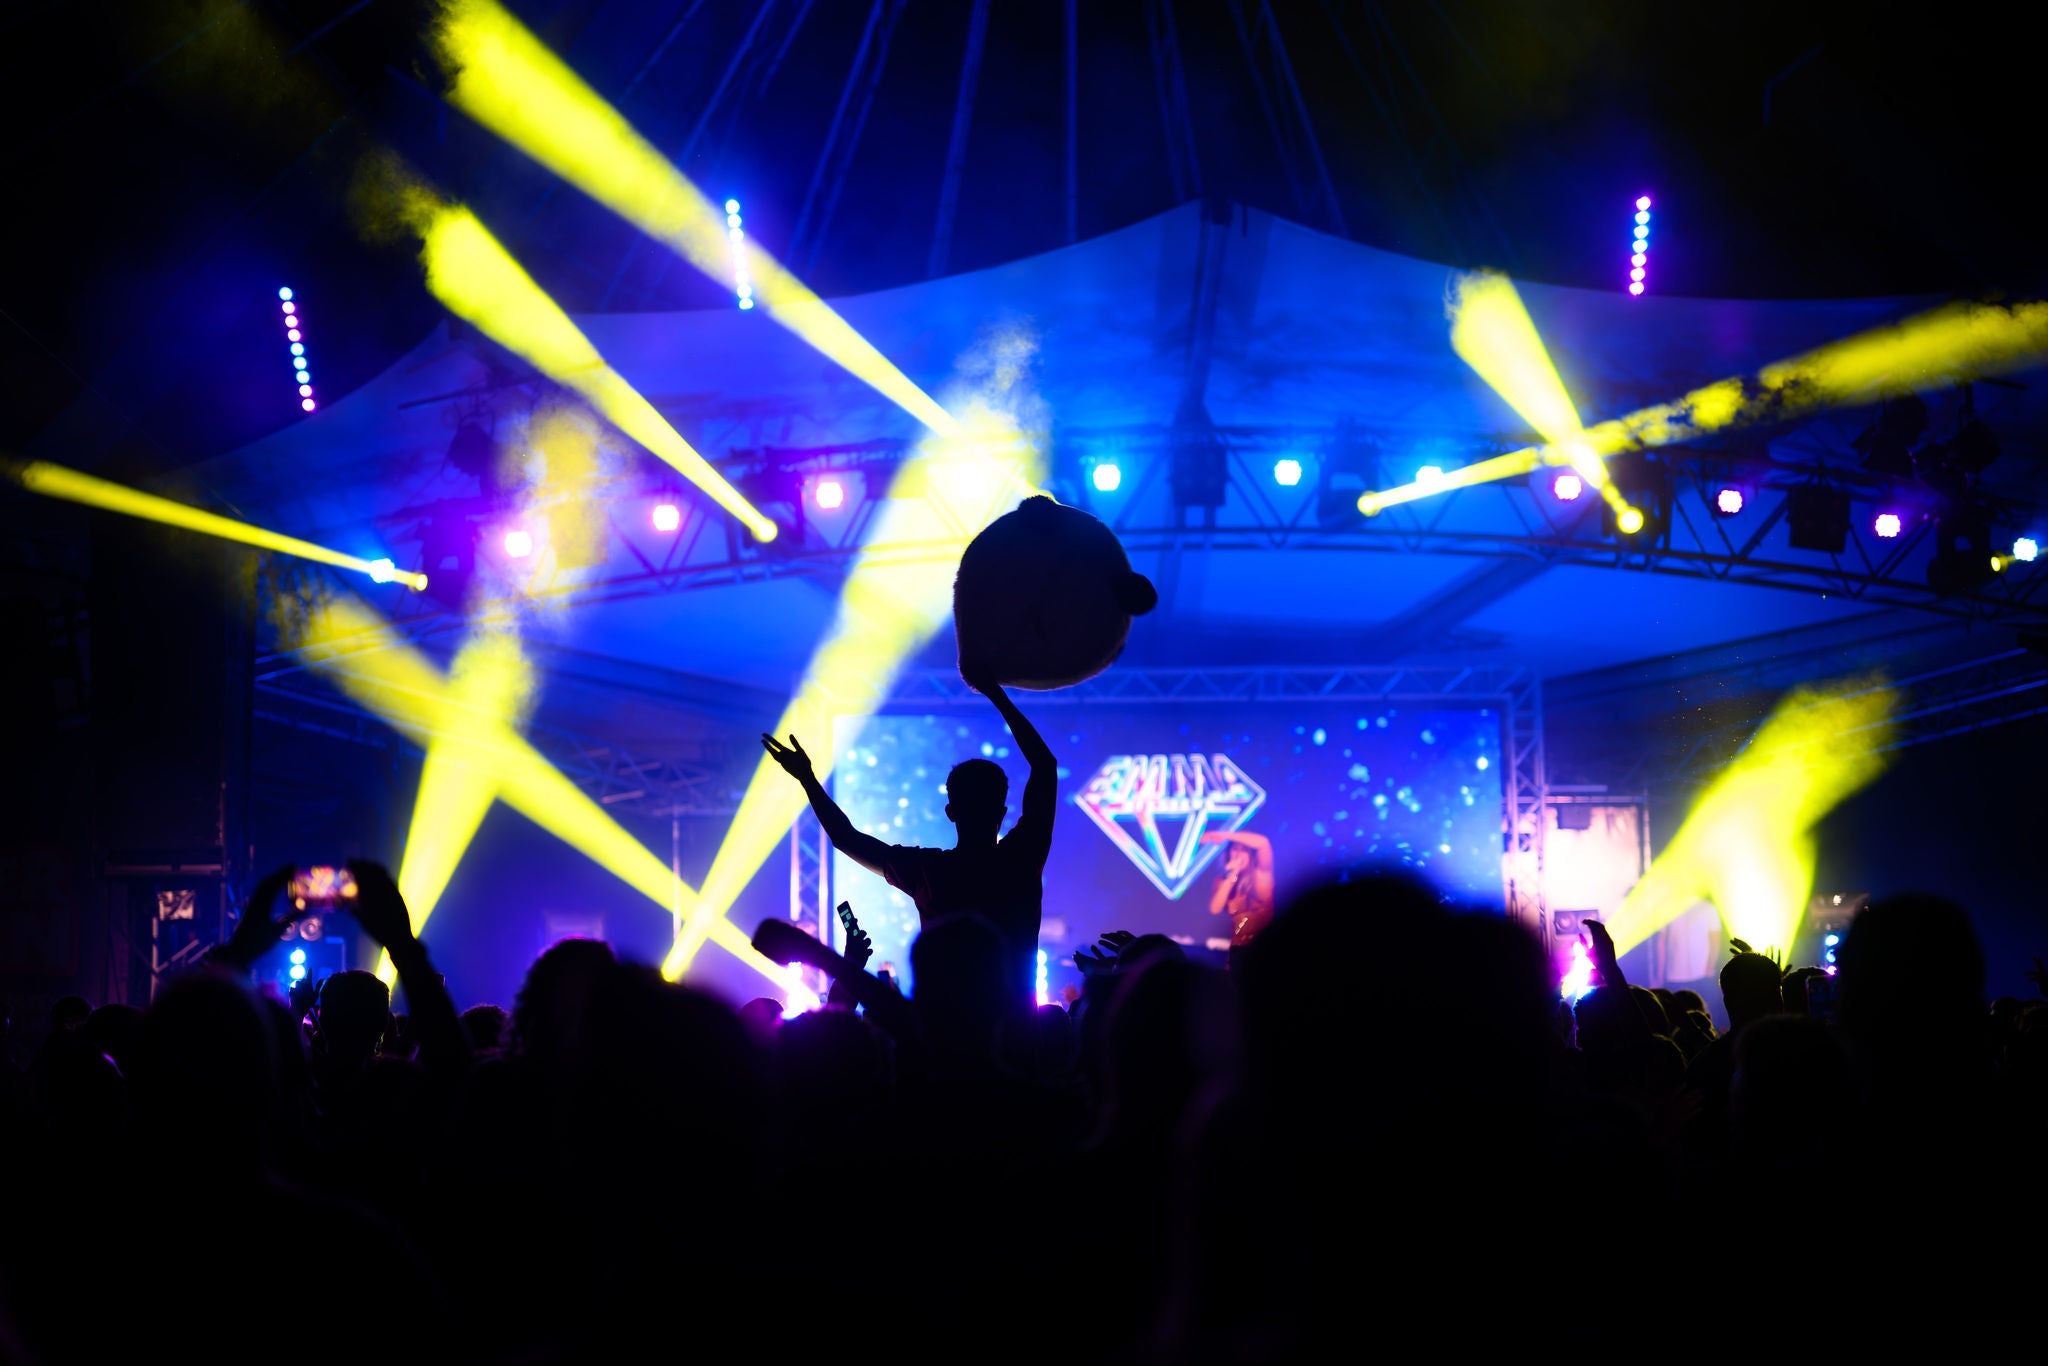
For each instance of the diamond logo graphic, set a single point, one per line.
(1157, 807)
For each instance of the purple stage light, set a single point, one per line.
(518, 543)
(1729, 501)
(830, 494)
(1888, 525)
(667, 516)
(1567, 487)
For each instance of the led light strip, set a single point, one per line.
(1639, 247)
(295, 334)
(741, 285)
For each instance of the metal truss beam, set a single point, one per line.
(1957, 699)
(617, 779)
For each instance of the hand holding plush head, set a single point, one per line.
(1044, 598)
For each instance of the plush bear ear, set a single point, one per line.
(1135, 594)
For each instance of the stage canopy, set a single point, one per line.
(1304, 345)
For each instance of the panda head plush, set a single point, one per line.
(1045, 596)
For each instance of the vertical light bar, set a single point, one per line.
(295, 337)
(734, 233)
(1639, 247)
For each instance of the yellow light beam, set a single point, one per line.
(56, 481)
(399, 684)
(511, 83)
(1748, 846)
(470, 272)
(1954, 342)
(889, 608)
(489, 691)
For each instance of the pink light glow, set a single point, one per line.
(1888, 525)
(1636, 287)
(307, 404)
(667, 517)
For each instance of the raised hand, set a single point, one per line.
(259, 929)
(1601, 945)
(791, 756)
(859, 948)
(1116, 941)
(1095, 964)
(977, 675)
(379, 909)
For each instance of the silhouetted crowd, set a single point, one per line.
(1378, 1132)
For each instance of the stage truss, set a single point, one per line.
(1517, 520)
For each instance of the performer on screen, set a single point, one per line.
(1245, 888)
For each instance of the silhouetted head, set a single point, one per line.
(549, 1008)
(1911, 968)
(1689, 1001)
(762, 1017)
(69, 1012)
(1791, 1096)
(976, 791)
(963, 987)
(1651, 1009)
(1147, 947)
(485, 1026)
(353, 1015)
(1750, 988)
(1170, 1027)
(111, 1030)
(205, 1077)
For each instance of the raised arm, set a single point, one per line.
(869, 852)
(1262, 863)
(1042, 789)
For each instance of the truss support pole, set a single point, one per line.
(881, 26)
(956, 148)
(1073, 122)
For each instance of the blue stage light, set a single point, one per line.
(298, 955)
(2025, 548)
(1287, 473)
(297, 972)
(284, 294)
(1108, 475)
(742, 286)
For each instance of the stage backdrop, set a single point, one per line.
(1339, 789)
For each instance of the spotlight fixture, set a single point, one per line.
(667, 516)
(1429, 474)
(1644, 486)
(2025, 548)
(382, 571)
(1818, 518)
(518, 543)
(1963, 558)
(1287, 472)
(1729, 500)
(1888, 525)
(295, 337)
(1108, 476)
(1639, 248)
(830, 494)
(1887, 444)
(1567, 486)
